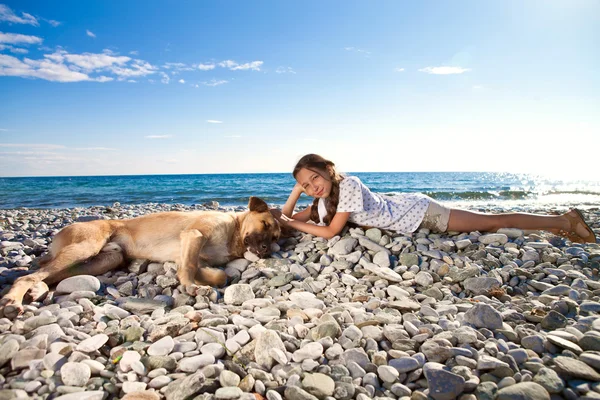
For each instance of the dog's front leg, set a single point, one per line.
(192, 242)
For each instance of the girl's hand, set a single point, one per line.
(284, 220)
(298, 189)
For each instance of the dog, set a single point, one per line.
(195, 240)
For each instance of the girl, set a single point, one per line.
(340, 199)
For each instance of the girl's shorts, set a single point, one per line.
(436, 217)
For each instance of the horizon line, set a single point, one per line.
(264, 173)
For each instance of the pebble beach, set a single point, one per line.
(365, 315)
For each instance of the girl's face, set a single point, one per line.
(315, 184)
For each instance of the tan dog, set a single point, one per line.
(195, 240)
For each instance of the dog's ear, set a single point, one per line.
(257, 205)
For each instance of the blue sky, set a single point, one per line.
(111, 88)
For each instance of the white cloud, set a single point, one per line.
(233, 136)
(444, 70)
(16, 38)
(54, 23)
(165, 78)
(95, 149)
(135, 69)
(285, 70)
(477, 87)
(90, 61)
(90, 33)
(62, 66)
(13, 49)
(357, 50)
(399, 69)
(234, 66)
(205, 67)
(43, 69)
(214, 82)
(134, 52)
(178, 67)
(34, 145)
(214, 121)
(181, 81)
(104, 79)
(7, 15)
(158, 136)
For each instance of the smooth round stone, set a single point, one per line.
(87, 395)
(75, 374)
(127, 359)
(161, 347)
(139, 368)
(92, 344)
(95, 366)
(311, 351)
(387, 374)
(214, 349)
(228, 393)
(78, 283)
(523, 391)
(591, 358)
(159, 382)
(318, 384)
(192, 364)
(228, 378)
(132, 387)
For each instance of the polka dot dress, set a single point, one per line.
(401, 213)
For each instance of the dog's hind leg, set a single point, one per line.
(109, 258)
(69, 255)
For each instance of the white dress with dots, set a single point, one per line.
(401, 213)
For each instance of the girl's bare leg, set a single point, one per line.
(467, 221)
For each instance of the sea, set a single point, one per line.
(455, 188)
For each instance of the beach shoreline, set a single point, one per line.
(365, 315)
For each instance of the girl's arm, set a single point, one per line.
(327, 232)
(290, 204)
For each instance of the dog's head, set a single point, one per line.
(259, 228)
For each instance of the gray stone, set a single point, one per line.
(161, 347)
(481, 285)
(553, 320)
(443, 385)
(75, 374)
(424, 279)
(523, 391)
(237, 294)
(550, 380)
(267, 340)
(484, 316)
(92, 344)
(575, 369)
(318, 384)
(78, 283)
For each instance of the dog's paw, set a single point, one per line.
(39, 291)
(10, 308)
(197, 290)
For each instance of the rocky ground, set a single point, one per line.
(510, 315)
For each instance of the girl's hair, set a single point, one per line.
(326, 169)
